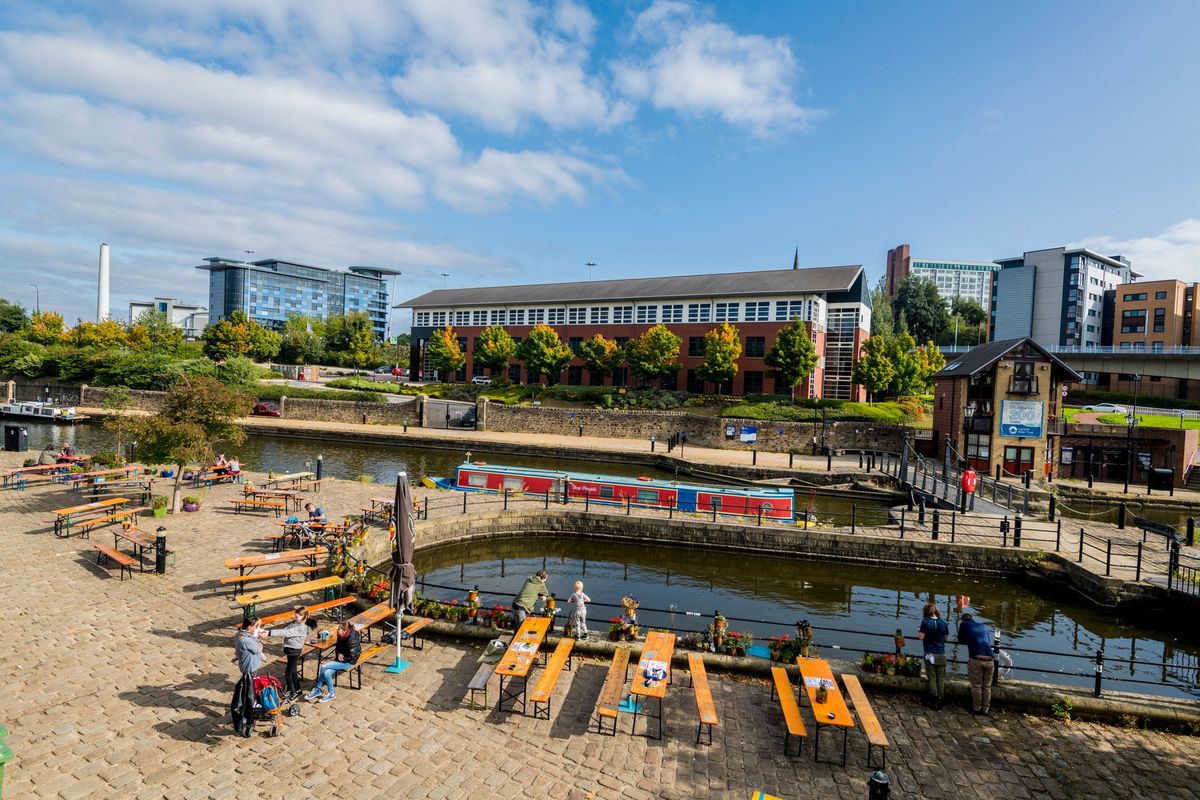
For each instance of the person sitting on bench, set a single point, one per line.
(220, 466)
(67, 454)
(348, 648)
(234, 466)
(315, 513)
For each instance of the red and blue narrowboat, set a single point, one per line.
(772, 502)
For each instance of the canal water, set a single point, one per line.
(382, 461)
(853, 608)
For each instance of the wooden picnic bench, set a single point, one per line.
(292, 479)
(610, 695)
(64, 518)
(372, 616)
(241, 504)
(866, 716)
(363, 658)
(414, 628)
(291, 499)
(815, 673)
(313, 610)
(545, 686)
(208, 478)
(142, 488)
(105, 554)
(239, 581)
(479, 682)
(140, 541)
(704, 702)
(18, 477)
(131, 514)
(244, 564)
(791, 709)
(249, 602)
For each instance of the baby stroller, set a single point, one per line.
(267, 691)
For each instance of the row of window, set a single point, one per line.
(1135, 296)
(1154, 346)
(752, 311)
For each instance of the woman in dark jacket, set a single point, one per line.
(348, 648)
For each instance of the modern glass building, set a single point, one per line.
(953, 277)
(269, 291)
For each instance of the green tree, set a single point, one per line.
(600, 355)
(117, 402)
(495, 348)
(722, 348)
(196, 412)
(225, 339)
(544, 353)
(924, 310)
(792, 358)
(445, 355)
(360, 348)
(968, 310)
(654, 354)
(12, 317)
(46, 328)
(152, 330)
(882, 321)
(874, 370)
(302, 340)
(103, 335)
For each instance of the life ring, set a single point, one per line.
(645, 478)
(480, 463)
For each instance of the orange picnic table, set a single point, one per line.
(653, 675)
(518, 659)
(77, 479)
(244, 563)
(64, 517)
(815, 673)
(18, 475)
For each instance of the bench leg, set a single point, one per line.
(542, 712)
(473, 704)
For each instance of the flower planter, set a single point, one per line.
(160, 513)
(191, 507)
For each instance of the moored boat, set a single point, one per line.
(36, 409)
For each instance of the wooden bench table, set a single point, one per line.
(414, 628)
(245, 564)
(866, 718)
(366, 655)
(130, 514)
(143, 489)
(782, 686)
(544, 689)
(140, 540)
(64, 518)
(291, 480)
(656, 654)
(105, 554)
(249, 602)
(372, 616)
(76, 480)
(608, 704)
(705, 710)
(244, 504)
(518, 660)
(313, 610)
(240, 581)
(815, 672)
(16, 477)
(293, 500)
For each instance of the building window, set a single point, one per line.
(421, 320)
(727, 312)
(576, 316)
(574, 343)
(979, 446)
(479, 318)
(695, 346)
(600, 315)
(647, 315)
(516, 316)
(537, 316)
(1023, 379)
(694, 384)
(785, 310)
(753, 382)
(574, 375)
(1160, 295)
(756, 346)
(556, 316)
(622, 314)
(1130, 298)
(620, 376)
(758, 312)
(672, 313)
(1157, 347)
(699, 312)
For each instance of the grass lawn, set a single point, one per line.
(1149, 421)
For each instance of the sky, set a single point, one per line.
(514, 142)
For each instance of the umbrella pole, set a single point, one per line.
(400, 664)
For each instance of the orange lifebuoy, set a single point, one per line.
(480, 463)
(645, 478)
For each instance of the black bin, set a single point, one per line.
(1160, 478)
(16, 439)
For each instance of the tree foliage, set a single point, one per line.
(12, 317)
(792, 358)
(654, 354)
(882, 321)
(894, 366)
(544, 353)
(103, 335)
(722, 348)
(600, 355)
(445, 355)
(152, 330)
(302, 340)
(360, 346)
(924, 311)
(240, 336)
(495, 348)
(46, 328)
(874, 370)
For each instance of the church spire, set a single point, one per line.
(796, 258)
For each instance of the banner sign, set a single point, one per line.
(749, 433)
(1022, 418)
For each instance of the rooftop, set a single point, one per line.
(727, 284)
(271, 264)
(979, 358)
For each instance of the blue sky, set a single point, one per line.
(511, 142)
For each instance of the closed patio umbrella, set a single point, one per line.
(403, 575)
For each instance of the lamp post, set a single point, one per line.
(37, 297)
(589, 265)
(444, 276)
(1131, 422)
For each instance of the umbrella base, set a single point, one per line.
(399, 666)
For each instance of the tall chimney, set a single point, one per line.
(102, 286)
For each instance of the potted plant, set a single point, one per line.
(630, 603)
(473, 605)
(191, 503)
(804, 638)
(616, 628)
(158, 506)
(719, 627)
(821, 695)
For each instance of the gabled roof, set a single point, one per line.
(977, 359)
(729, 284)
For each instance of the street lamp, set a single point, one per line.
(589, 265)
(38, 297)
(444, 276)
(1131, 420)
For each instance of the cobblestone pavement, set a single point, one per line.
(120, 689)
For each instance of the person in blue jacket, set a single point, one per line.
(981, 664)
(933, 633)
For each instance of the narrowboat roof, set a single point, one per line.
(503, 469)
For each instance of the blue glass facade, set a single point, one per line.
(270, 291)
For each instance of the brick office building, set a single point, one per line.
(1155, 316)
(834, 302)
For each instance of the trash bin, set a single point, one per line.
(5, 756)
(16, 438)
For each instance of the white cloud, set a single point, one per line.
(1174, 253)
(703, 68)
(542, 177)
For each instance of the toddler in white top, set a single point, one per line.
(578, 621)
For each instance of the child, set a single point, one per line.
(578, 621)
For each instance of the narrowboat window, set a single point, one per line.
(514, 484)
(606, 492)
(715, 503)
(649, 496)
(477, 479)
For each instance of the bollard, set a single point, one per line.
(936, 521)
(320, 466)
(670, 508)
(902, 513)
(581, 431)
(426, 508)
(547, 499)
(1108, 559)
(1081, 535)
(754, 458)
(1028, 477)
(877, 786)
(860, 459)
(760, 518)
(651, 444)
(464, 502)
(506, 499)
(1089, 480)
(160, 551)
(829, 461)
(1138, 577)
(1004, 531)
(921, 512)
(1121, 510)
(587, 502)
(996, 658)
(791, 457)
(714, 510)
(1053, 507)
(953, 518)
(1098, 689)
(997, 472)
(1058, 536)
(854, 517)
(1017, 531)
(628, 505)
(1191, 531)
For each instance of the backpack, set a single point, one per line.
(268, 698)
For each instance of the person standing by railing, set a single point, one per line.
(933, 633)
(981, 664)
(533, 591)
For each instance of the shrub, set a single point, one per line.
(1061, 710)
(361, 385)
(106, 459)
(834, 411)
(268, 392)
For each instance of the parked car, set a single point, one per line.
(468, 418)
(400, 371)
(1107, 408)
(266, 410)
(481, 380)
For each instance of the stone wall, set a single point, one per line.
(36, 390)
(93, 396)
(701, 431)
(344, 411)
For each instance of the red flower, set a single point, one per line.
(454, 602)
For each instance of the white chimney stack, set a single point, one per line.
(102, 286)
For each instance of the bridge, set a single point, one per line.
(1168, 362)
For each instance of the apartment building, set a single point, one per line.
(1154, 316)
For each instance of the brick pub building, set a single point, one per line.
(834, 303)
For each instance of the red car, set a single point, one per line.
(266, 410)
